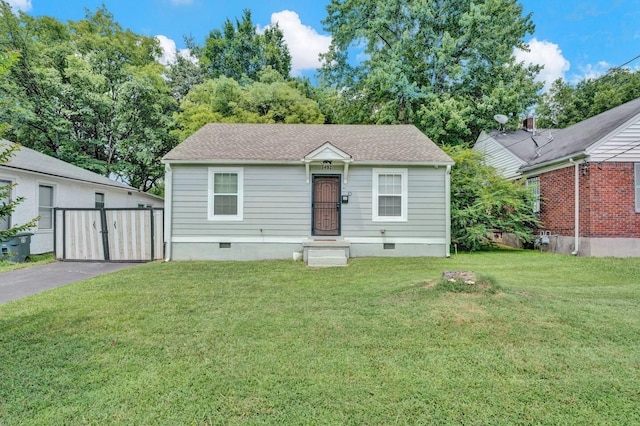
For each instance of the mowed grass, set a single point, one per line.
(34, 259)
(373, 343)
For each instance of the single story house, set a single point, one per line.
(586, 177)
(46, 182)
(323, 192)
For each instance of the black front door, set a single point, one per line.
(326, 205)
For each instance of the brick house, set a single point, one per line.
(586, 176)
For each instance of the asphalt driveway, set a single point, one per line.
(24, 282)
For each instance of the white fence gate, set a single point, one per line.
(113, 235)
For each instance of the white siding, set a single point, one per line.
(621, 146)
(498, 157)
(67, 193)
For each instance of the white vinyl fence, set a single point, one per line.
(113, 235)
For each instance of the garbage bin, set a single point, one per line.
(16, 248)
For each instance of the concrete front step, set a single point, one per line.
(326, 258)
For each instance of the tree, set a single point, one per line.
(88, 92)
(7, 204)
(565, 104)
(447, 66)
(271, 99)
(482, 200)
(240, 52)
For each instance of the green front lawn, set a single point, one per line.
(372, 343)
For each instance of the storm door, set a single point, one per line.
(326, 205)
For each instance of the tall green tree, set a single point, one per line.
(271, 99)
(238, 51)
(566, 104)
(482, 201)
(447, 66)
(7, 203)
(88, 92)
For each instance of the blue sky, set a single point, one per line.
(574, 39)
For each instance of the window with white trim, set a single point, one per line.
(533, 183)
(45, 206)
(636, 180)
(5, 189)
(390, 198)
(225, 193)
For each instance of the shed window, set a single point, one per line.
(225, 193)
(45, 207)
(99, 200)
(5, 199)
(390, 195)
(533, 183)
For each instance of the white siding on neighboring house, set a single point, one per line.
(622, 146)
(66, 193)
(498, 157)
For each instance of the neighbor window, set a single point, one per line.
(45, 206)
(390, 195)
(5, 189)
(99, 200)
(533, 183)
(636, 168)
(225, 193)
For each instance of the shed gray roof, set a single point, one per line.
(571, 140)
(292, 142)
(33, 161)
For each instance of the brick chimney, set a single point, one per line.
(529, 124)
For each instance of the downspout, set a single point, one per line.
(576, 204)
(447, 209)
(168, 199)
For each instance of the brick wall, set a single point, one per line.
(607, 201)
(556, 201)
(612, 204)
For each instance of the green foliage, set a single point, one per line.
(88, 92)
(565, 104)
(239, 51)
(446, 66)
(271, 99)
(483, 201)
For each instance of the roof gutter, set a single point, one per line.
(298, 162)
(569, 158)
(576, 205)
(168, 210)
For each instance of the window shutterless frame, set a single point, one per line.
(226, 194)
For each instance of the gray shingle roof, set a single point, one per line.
(571, 140)
(291, 142)
(29, 160)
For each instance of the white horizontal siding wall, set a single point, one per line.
(498, 157)
(67, 193)
(622, 145)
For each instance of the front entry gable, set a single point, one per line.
(327, 154)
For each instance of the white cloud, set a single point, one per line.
(168, 47)
(169, 51)
(591, 72)
(304, 42)
(24, 5)
(547, 54)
